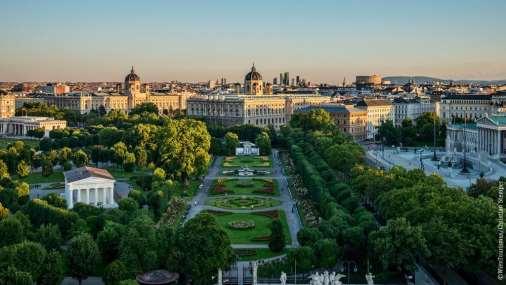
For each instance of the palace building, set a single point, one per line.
(133, 93)
(256, 105)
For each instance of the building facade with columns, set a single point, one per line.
(19, 126)
(132, 94)
(7, 105)
(256, 106)
(91, 186)
(487, 136)
(492, 135)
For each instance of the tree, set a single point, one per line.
(303, 256)
(231, 142)
(52, 270)
(37, 133)
(205, 248)
(144, 107)
(4, 212)
(109, 239)
(56, 200)
(47, 167)
(263, 142)
(115, 272)
(183, 148)
(128, 204)
(80, 158)
(129, 162)
(22, 191)
(11, 231)
(158, 174)
(82, 256)
(138, 247)
(12, 276)
(308, 236)
(388, 133)
(64, 155)
(277, 240)
(325, 251)
(316, 119)
(23, 169)
(49, 236)
(398, 244)
(4, 170)
(29, 257)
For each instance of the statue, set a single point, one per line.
(315, 279)
(337, 278)
(369, 277)
(326, 279)
(220, 277)
(255, 267)
(283, 278)
(332, 277)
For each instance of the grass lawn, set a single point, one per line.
(247, 161)
(261, 229)
(36, 178)
(242, 202)
(4, 142)
(253, 186)
(256, 254)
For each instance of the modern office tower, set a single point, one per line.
(293, 82)
(275, 81)
(297, 80)
(286, 79)
(223, 81)
(281, 80)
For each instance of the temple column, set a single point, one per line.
(498, 142)
(78, 195)
(111, 196)
(69, 199)
(87, 200)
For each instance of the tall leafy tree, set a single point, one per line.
(398, 244)
(277, 239)
(205, 248)
(83, 256)
(231, 142)
(263, 142)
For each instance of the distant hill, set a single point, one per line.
(430, 80)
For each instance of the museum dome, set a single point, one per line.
(253, 74)
(132, 76)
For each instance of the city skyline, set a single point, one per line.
(322, 41)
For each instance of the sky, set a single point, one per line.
(322, 41)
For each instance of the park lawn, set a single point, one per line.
(247, 161)
(251, 186)
(4, 142)
(120, 174)
(36, 178)
(257, 254)
(261, 229)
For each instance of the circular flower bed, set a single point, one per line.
(243, 202)
(241, 224)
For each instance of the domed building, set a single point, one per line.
(253, 84)
(132, 83)
(247, 107)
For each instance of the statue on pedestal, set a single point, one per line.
(220, 277)
(255, 269)
(337, 278)
(283, 278)
(315, 279)
(326, 278)
(369, 277)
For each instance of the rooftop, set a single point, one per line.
(86, 172)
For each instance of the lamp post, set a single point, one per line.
(434, 157)
(347, 266)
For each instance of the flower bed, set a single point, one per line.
(261, 239)
(242, 202)
(241, 224)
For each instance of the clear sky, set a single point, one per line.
(323, 41)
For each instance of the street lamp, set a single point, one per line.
(346, 267)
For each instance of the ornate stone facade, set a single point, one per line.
(255, 107)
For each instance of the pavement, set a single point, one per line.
(452, 177)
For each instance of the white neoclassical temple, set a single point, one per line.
(91, 186)
(20, 125)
